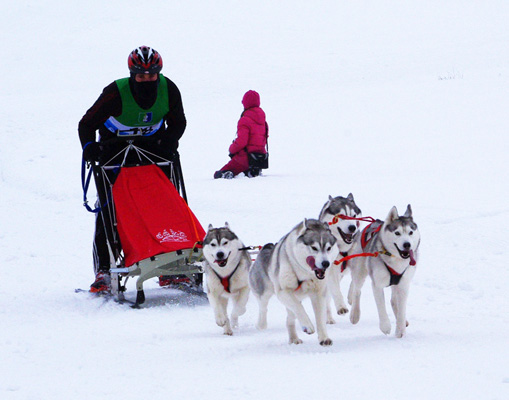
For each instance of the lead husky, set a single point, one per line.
(345, 231)
(295, 268)
(396, 241)
(226, 266)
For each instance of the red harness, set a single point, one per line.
(395, 277)
(336, 219)
(226, 280)
(344, 254)
(368, 233)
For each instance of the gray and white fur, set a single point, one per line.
(226, 263)
(293, 269)
(345, 232)
(397, 243)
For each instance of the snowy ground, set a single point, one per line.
(396, 102)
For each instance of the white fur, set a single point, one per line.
(238, 264)
(286, 269)
(380, 277)
(334, 275)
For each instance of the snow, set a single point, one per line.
(396, 102)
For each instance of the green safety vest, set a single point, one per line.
(134, 120)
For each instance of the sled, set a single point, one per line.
(150, 230)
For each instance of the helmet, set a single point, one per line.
(144, 60)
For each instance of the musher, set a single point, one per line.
(144, 104)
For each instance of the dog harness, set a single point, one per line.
(369, 232)
(367, 235)
(395, 277)
(344, 264)
(226, 280)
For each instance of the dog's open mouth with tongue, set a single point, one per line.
(319, 272)
(347, 237)
(407, 254)
(222, 262)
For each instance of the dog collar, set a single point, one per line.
(385, 252)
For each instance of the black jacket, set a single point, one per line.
(109, 104)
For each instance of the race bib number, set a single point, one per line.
(122, 130)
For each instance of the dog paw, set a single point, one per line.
(407, 323)
(326, 342)
(228, 332)
(385, 327)
(331, 321)
(221, 321)
(308, 329)
(342, 310)
(295, 340)
(401, 329)
(399, 333)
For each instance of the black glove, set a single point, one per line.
(93, 151)
(231, 155)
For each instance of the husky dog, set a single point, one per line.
(395, 242)
(345, 231)
(226, 266)
(294, 268)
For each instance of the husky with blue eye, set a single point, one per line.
(394, 245)
(293, 269)
(226, 263)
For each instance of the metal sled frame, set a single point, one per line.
(180, 262)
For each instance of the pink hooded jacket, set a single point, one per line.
(251, 130)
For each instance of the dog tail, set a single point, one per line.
(259, 276)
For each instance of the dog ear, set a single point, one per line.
(393, 215)
(227, 225)
(325, 206)
(408, 212)
(328, 203)
(302, 227)
(210, 227)
(350, 197)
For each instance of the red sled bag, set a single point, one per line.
(152, 218)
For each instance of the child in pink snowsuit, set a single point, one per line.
(252, 133)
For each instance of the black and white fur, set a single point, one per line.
(225, 258)
(293, 269)
(398, 244)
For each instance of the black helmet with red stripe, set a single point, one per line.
(144, 60)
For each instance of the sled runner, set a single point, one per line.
(151, 231)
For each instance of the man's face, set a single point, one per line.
(145, 77)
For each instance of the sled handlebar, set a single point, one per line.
(160, 164)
